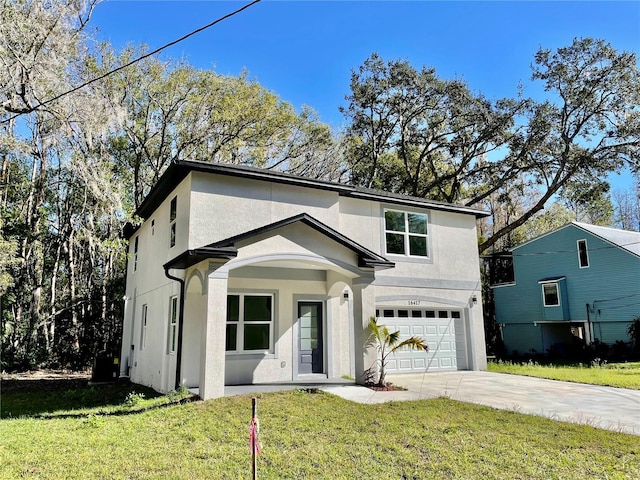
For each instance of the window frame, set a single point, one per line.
(583, 249)
(136, 246)
(143, 326)
(173, 215)
(407, 234)
(241, 323)
(172, 345)
(544, 296)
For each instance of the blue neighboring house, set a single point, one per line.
(579, 283)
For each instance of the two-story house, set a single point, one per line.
(576, 284)
(239, 275)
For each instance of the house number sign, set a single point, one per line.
(413, 303)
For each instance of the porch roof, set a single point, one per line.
(228, 249)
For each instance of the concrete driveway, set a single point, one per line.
(603, 407)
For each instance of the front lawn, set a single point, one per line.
(309, 434)
(622, 375)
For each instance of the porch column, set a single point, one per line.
(212, 365)
(363, 308)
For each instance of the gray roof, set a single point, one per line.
(178, 170)
(624, 239)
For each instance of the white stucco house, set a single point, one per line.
(239, 275)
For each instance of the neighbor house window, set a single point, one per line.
(249, 323)
(583, 255)
(143, 333)
(173, 213)
(550, 294)
(135, 254)
(173, 324)
(406, 233)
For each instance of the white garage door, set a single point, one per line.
(443, 331)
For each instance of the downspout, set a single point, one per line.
(180, 324)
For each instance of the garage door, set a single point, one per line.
(443, 331)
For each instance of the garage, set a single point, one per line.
(443, 330)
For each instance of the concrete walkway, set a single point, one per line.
(610, 408)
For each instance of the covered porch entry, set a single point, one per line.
(288, 302)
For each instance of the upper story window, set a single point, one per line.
(135, 253)
(173, 213)
(550, 294)
(583, 255)
(249, 323)
(406, 233)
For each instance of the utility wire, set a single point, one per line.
(122, 67)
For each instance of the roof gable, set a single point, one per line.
(228, 248)
(624, 239)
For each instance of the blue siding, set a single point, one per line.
(610, 285)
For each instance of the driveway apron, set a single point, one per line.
(603, 407)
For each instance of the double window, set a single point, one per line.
(249, 323)
(406, 233)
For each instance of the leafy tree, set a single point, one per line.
(388, 343)
(411, 132)
(627, 208)
(589, 126)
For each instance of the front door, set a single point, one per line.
(310, 358)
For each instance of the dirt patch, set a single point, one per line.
(47, 375)
(389, 387)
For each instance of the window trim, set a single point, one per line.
(407, 235)
(241, 323)
(544, 297)
(583, 241)
(172, 345)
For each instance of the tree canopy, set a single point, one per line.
(411, 132)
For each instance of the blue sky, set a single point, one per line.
(304, 51)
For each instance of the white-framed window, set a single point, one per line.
(249, 323)
(143, 331)
(550, 294)
(173, 324)
(406, 233)
(583, 254)
(173, 213)
(135, 253)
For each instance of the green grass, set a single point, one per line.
(312, 435)
(64, 398)
(622, 375)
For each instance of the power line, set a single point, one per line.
(122, 67)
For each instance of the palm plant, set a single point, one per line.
(387, 343)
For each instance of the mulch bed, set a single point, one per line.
(389, 387)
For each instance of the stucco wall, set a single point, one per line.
(213, 208)
(153, 366)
